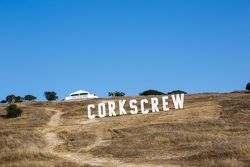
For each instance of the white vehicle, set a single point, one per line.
(80, 94)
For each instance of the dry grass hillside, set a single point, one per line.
(211, 130)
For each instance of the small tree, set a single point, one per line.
(30, 98)
(111, 94)
(116, 93)
(151, 92)
(248, 86)
(13, 111)
(10, 98)
(3, 101)
(14, 99)
(50, 95)
(177, 92)
(19, 99)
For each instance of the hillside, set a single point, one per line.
(211, 130)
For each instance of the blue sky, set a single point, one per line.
(128, 45)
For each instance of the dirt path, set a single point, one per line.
(84, 158)
(53, 141)
(51, 136)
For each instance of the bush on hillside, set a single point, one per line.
(151, 92)
(177, 92)
(50, 95)
(13, 111)
(116, 93)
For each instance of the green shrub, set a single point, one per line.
(13, 111)
(19, 99)
(50, 96)
(30, 98)
(177, 92)
(116, 93)
(3, 101)
(151, 92)
(248, 86)
(14, 99)
(10, 99)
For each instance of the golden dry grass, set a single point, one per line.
(20, 140)
(212, 130)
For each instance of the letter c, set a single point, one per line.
(143, 111)
(90, 115)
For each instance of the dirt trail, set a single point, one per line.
(51, 136)
(53, 141)
(84, 158)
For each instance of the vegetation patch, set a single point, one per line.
(13, 111)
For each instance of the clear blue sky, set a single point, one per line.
(129, 45)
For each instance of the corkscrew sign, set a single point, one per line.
(114, 108)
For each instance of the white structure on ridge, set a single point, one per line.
(80, 94)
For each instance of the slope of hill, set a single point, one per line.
(211, 130)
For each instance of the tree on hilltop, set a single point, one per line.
(248, 86)
(177, 92)
(151, 92)
(14, 99)
(50, 95)
(116, 93)
(30, 98)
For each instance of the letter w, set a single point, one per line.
(178, 101)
